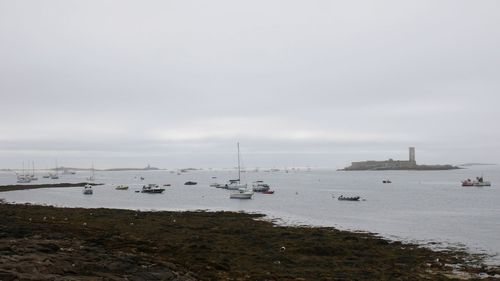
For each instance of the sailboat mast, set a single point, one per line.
(239, 171)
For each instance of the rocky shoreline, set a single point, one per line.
(49, 243)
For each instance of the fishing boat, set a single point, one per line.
(121, 187)
(152, 188)
(344, 198)
(479, 181)
(242, 192)
(87, 189)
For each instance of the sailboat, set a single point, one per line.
(242, 191)
(56, 175)
(92, 176)
(33, 176)
(23, 178)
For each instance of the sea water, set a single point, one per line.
(426, 207)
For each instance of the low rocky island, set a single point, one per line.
(410, 164)
(49, 243)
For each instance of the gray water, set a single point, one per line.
(419, 206)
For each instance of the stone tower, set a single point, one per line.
(412, 155)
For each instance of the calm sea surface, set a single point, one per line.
(419, 206)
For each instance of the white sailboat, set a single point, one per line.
(241, 191)
(56, 175)
(92, 176)
(33, 177)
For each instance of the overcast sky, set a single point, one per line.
(298, 83)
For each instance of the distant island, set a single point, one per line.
(147, 168)
(410, 164)
(477, 164)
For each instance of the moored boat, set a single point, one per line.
(87, 189)
(268, 192)
(479, 181)
(152, 188)
(241, 191)
(260, 186)
(121, 187)
(345, 198)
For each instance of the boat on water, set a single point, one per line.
(345, 198)
(23, 179)
(242, 191)
(386, 181)
(92, 174)
(268, 192)
(190, 183)
(260, 186)
(87, 189)
(121, 187)
(235, 184)
(152, 188)
(479, 181)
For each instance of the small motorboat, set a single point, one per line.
(190, 183)
(167, 184)
(386, 181)
(260, 186)
(121, 187)
(142, 178)
(152, 188)
(268, 192)
(467, 182)
(87, 189)
(345, 198)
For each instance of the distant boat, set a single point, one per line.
(87, 189)
(92, 173)
(268, 192)
(260, 186)
(242, 192)
(56, 175)
(122, 187)
(478, 182)
(190, 183)
(343, 198)
(386, 181)
(23, 179)
(33, 176)
(152, 188)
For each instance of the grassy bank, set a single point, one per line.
(107, 244)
